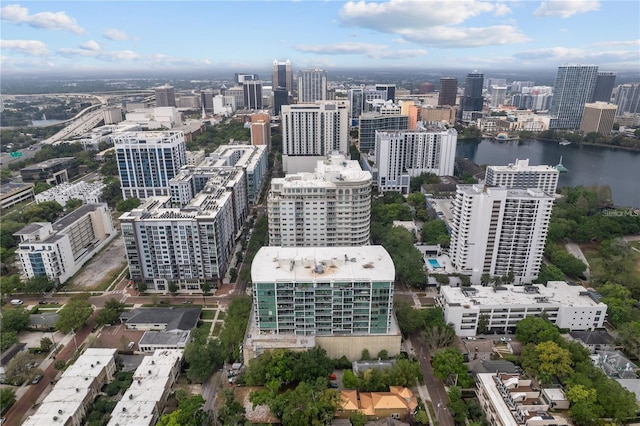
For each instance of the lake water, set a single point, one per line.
(620, 169)
(41, 123)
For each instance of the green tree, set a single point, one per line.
(619, 303)
(8, 338)
(425, 178)
(567, 263)
(7, 398)
(433, 231)
(204, 357)
(189, 413)
(74, 315)
(439, 336)
(536, 330)
(110, 313)
(173, 288)
(629, 337)
(39, 284)
(60, 364)
(349, 380)
(232, 412)
(72, 204)
(127, 205)
(45, 344)
(546, 360)
(41, 187)
(357, 418)
(549, 273)
(449, 361)
(14, 320)
(483, 324)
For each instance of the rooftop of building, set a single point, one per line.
(174, 337)
(155, 136)
(62, 223)
(523, 166)
(371, 263)
(473, 189)
(174, 318)
(49, 163)
(555, 292)
(598, 337)
(8, 188)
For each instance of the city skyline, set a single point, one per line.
(396, 34)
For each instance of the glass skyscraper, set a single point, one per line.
(574, 87)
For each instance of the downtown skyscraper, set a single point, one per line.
(312, 85)
(472, 99)
(282, 75)
(574, 87)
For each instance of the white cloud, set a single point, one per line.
(115, 34)
(619, 43)
(566, 8)
(433, 23)
(48, 20)
(376, 51)
(27, 47)
(110, 56)
(580, 55)
(90, 45)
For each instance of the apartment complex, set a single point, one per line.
(147, 161)
(605, 81)
(598, 117)
(88, 193)
(312, 131)
(330, 207)
(370, 122)
(499, 231)
(627, 98)
(60, 249)
(573, 88)
(312, 85)
(261, 130)
(338, 298)
(431, 148)
(73, 394)
(568, 306)
(520, 175)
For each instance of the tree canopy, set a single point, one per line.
(74, 315)
(536, 330)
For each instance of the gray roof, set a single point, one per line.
(496, 366)
(30, 228)
(600, 337)
(11, 352)
(174, 318)
(167, 338)
(49, 163)
(46, 320)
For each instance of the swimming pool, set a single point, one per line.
(434, 263)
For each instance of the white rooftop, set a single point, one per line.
(556, 292)
(371, 263)
(523, 166)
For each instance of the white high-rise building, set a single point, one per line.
(330, 207)
(148, 160)
(520, 175)
(404, 154)
(312, 85)
(312, 131)
(498, 231)
(574, 87)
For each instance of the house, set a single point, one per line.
(594, 341)
(9, 354)
(161, 319)
(397, 403)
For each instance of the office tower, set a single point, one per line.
(332, 206)
(165, 96)
(472, 99)
(604, 87)
(437, 114)
(282, 75)
(448, 91)
(280, 97)
(312, 131)
(405, 154)
(498, 94)
(370, 122)
(492, 81)
(409, 109)
(261, 130)
(147, 161)
(237, 92)
(240, 78)
(498, 231)
(573, 88)
(520, 175)
(627, 97)
(312, 85)
(598, 117)
(252, 94)
(356, 101)
(425, 87)
(389, 91)
(206, 100)
(340, 297)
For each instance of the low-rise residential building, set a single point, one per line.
(599, 340)
(143, 402)
(68, 402)
(567, 306)
(60, 249)
(15, 193)
(161, 319)
(398, 403)
(88, 193)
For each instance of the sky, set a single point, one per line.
(246, 36)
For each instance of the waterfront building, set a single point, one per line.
(15, 193)
(332, 206)
(499, 231)
(370, 122)
(520, 175)
(472, 100)
(570, 307)
(282, 76)
(437, 114)
(312, 85)
(498, 94)
(627, 97)
(337, 298)
(147, 161)
(604, 87)
(573, 88)
(312, 131)
(165, 96)
(598, 117)
(59, 250)
(401, 155)
(448, 91)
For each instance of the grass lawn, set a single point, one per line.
(222, 315)
(208, 314)
(206, 326)
(217, 329)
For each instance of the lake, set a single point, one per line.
(618, 168)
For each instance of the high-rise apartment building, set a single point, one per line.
(252, 94)
(370, 122)
(147, 161)
(165, 96)
(498, 94)
(312, 131)
(312, 85)
(448, 91)
(520, 175)
(498, 231)
(598, 117)
(573, 88)
(472, 99)
(627, 97)
(261, 130)
(605, 81)
(330, 207)
(389, 91)
(439, 113)
(405, 154)
(282, 75)
(356, 101)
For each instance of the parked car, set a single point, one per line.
(332, 376)
(333, 385)
(16, 302)
(36, 379)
